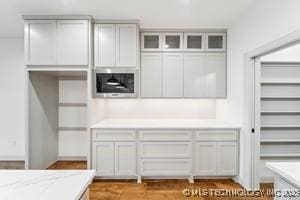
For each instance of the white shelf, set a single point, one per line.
(279, 141)
(280, 82)
(279, 112)
(281, 97)
(72, 104)
(280, 126)
(279, 155)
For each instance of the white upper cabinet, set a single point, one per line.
(151, 41)
(205, 75)
(105, 45)
(192, 64)
(172, 75)
(215, 75)
(215, 42)
(116, 45)
(151, 74)
(172, 41)
(194, 70)
(126, 45)
(56, 42)
(72, 45)
(194, 42)
(40, 42)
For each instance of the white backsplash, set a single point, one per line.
(157, 108)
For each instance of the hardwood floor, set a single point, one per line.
(156, 189)
(12, 165)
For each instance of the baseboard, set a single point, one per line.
(72, 158)
(266, 179)
(12, 158)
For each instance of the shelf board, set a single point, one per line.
(280, 126)
(72, 104)
(280, 82)
(58, 69)
(280, 141)
(279, 155)
(279, 112)
(72, 129)
(281, 98)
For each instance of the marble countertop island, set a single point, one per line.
(163, 124)
(44, 184)
(290, 171)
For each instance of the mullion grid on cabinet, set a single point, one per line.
(280, 111)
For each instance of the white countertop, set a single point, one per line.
(290, 171)
(44, 184)
(163, 124)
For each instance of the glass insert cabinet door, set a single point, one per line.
(194, 42)
(172, 41)
(151, 41)
(215, 42)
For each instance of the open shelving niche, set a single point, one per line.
(57, 116)
(280, 114)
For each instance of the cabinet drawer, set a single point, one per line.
(114, 135)
(166, 167)
(165, 135)
(166, 150)
(216, 135)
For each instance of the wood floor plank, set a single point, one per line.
(154, 189)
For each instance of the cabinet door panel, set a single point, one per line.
(194, 70)
(151, 74)
(105, 45)
(206, 158)
(172, 41)
(194, 42)
(215, 75)
(72, 43)
(151, 41)
(126, 40)
(103, 158)
(227, 158)
(216, 42)
(40, 41)
(125, 158)
(172, 75)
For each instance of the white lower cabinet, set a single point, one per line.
(125, 158)
(227, 158)
(114, 158)
(166, 167)
(188, 153)
(216, 158)
(206, 162)
(103, 158)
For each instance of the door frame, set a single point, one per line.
(252, 101)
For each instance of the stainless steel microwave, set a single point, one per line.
(115, 83)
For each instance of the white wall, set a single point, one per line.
(266, 21)
(290, 54)
(12, 99)
(158, 108)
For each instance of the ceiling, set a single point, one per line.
(151, 13)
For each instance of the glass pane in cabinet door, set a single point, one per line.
(151, 41)
(215, 42)
(172, 42)
(194, 42)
